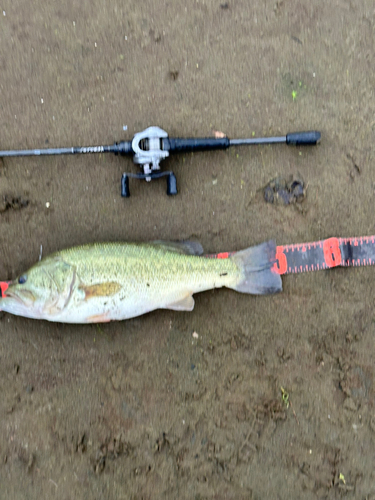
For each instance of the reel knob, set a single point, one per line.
(125, 191)
(171, 184)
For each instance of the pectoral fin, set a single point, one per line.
(101, 289)
(185, 304)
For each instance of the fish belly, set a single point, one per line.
(131, 302)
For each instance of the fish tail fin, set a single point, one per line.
(257, 276)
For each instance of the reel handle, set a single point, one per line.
(171, 182)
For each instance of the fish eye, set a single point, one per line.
(22, 279)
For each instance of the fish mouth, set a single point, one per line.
(25, 297)
(12, 295)
(18, 303)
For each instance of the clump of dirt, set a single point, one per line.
(10, 202)
(111, 449)
(281, 191)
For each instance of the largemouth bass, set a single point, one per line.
(115, 281)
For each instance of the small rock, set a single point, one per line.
(350, 405)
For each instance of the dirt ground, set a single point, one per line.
(143, 409)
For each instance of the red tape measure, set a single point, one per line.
(325, 254)
(3, 287)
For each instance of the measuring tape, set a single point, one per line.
(325, 254)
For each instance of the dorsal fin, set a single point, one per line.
(183, 247)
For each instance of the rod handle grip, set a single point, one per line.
(309, 138)
(189, 145)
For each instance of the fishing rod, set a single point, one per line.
(149, 147)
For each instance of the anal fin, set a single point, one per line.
(98, 318)
(185, 304)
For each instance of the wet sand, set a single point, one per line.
(143, 409)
